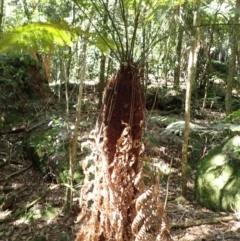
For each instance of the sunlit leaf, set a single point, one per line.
(103, 43)
(37, 36)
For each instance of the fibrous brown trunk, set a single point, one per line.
(119, 209)
(123, 121)
(115, 186)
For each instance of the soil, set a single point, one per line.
(44, 220)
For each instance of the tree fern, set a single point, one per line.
(35, 36)
(47, 36)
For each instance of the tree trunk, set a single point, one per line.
(118, 211)
(166, 61)
(232, 59)
(27, 11)
(1, 14)
(208, 69)
(192, 64)
(73, 141)
(109, 66)
(102, 63)
(101, 79)
(177, 67)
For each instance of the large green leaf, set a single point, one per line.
(102, 42)
(37, 36)
(46, 37)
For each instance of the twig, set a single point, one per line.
(23, 128)
(17, 130)
(36, 126)
(27, 206)
(14, 174)
(211, 220)
(168, 182)
(43, 108)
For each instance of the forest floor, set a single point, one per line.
(23, 219)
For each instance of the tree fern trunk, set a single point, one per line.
(117, 209)
(115, 187)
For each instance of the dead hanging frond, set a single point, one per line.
(119, 194)
(114, 206)
(150, 222)
(107, 202)
(91, 191)
(114, 181)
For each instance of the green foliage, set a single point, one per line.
(1, 199)
(78, 177)
(46, 37)
(151, 139)
(14, 66)
(45, 213)
(220, 67)
(48, 149)
(122, 30)
(217, 177)
(102, 42)
(14, 71)
(233, 117)
(37, 36)
(49, 152)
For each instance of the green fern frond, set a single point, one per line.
(46, 37)
(233, 117)
(102, 42)
(37, 36)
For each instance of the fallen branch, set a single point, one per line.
(3, 162)
(211, 220)
(23, 210)
(14, 131)
(38, 125)
(14, 174)
(24, 128)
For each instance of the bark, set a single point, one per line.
(165, 61)
(118, 206)
(207, 69)
(102, 63)
(109, 65)
(114, 207)
(27, 12)
(73, 142)
(232, 59)
(101, 79)
(177, 67)
(61, 76)
(1, 14)
(66, 80)
(192, 64)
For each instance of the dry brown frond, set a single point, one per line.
(150, 222)
(115, 210)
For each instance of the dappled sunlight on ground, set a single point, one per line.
(44, 219)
